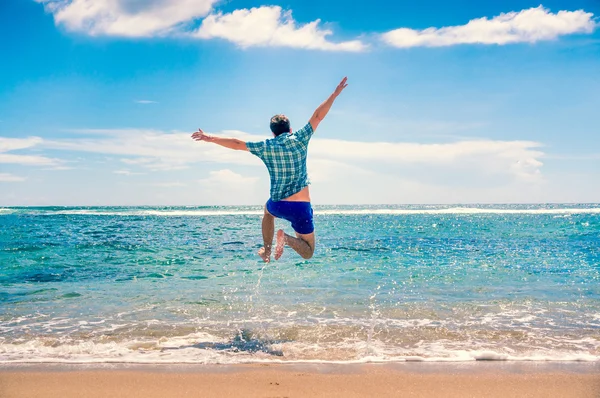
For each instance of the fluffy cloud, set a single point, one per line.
(531, 25)
(133, 18)
(262, 26)
(270, 26)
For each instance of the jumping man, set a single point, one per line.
(285, 158)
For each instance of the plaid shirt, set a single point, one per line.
(285, 158)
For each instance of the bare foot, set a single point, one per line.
(264, 254)
(280, 244)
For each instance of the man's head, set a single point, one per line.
(280, 124)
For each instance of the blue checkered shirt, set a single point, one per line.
(285, 158)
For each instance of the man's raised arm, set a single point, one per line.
(231, 143)
(322, 110)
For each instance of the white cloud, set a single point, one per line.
(59, 168)
(154, 150)
(159, 151)
(578, 157)
(145, 102)
(227, 177)
(6, 177)
(531, 25)
(227, 187)
(29, 160)
(13, 144)
(137, 161)
(174, 184)
(270, 26)
(126, 172)
(133, 18)
(262, 26)
(341, 172)
(326, 170)
(517, 158)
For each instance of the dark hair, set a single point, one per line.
(280, 124)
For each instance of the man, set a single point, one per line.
(285, 158)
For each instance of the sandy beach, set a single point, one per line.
(411, 380)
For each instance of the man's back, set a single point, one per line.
(285, 158)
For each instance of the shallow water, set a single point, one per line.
(387, 283)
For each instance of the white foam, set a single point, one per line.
(197, 348)
(459, 210)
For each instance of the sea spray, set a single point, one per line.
(374, 315)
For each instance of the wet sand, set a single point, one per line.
(274, 380)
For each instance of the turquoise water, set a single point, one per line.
(387, 283)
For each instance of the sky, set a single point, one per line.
(447, 101)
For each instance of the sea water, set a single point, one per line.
(386, 283)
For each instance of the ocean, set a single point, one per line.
(386, 284)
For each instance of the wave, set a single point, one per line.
(512, 335)
(201, 348)
(171, 213)
(318, 211)
(458, 210)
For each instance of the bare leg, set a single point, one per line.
(280, 244)
(268, 230)
(304, 245)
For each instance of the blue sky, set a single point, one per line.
(448, 101)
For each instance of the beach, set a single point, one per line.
(204, 198)
(368, 380)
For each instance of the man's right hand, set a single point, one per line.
(201, 136)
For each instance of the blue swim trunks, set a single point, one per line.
(300, 214)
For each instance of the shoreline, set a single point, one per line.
(582, 367)
(486, 379)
